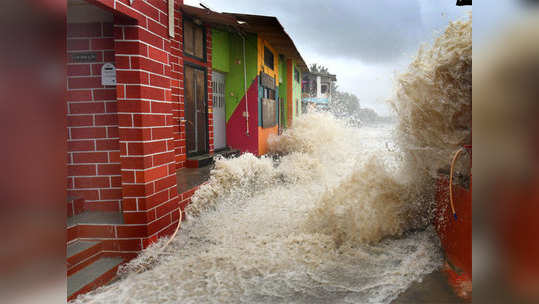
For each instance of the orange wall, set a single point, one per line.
(455, 234)
(290, 90)
(264, 133)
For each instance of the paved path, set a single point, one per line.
(433, 290)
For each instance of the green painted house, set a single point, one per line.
(256, 74)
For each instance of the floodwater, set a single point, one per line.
(340, 215)
(327, 222)
(433, 289)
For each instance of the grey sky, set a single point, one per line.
(364, 42)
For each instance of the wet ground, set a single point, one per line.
(434, 289)
(257, 245)
(188, 178)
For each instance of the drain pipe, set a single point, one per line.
(246, 114)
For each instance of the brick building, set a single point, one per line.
(139, 110)
(126, 140)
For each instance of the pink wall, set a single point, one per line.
(236, 126)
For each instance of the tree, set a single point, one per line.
(366, 115)
(318, 68)
(344, 103)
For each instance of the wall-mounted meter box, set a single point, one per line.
(108, 74)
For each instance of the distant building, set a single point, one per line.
(316, 89)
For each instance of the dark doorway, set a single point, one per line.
(196, 111)
(280, 114)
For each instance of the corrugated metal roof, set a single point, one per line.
(267, 27)
(210, 17)
(270, 29)
(330, 76)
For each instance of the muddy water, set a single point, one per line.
(341, 216)
(324, 223)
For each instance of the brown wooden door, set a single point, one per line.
(196, 113)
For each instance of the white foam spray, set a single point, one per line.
(328, 222)
(303, 229)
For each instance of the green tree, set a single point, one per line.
(318, 68)
(344, 103)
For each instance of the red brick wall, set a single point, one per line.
(145, 124)
(176, 48)
(92, 122)
(150, 137)
(210, 89)
(145, 103)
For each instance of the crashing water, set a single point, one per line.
(339, 215)
(317, 225)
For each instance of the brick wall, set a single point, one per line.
(145, 103)
(177, 86)
(139, 121)
(144, 155)
(210, 89)
(92, 122)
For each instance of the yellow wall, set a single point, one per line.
(261, 67)
(265, 133)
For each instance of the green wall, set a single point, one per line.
(283, 88)
(234, 88)
(296, 90)
(220, 50)
(282, 69)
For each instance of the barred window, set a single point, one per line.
(268, 58)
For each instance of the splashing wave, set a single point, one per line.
(329, 220)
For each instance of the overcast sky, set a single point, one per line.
(363, 42)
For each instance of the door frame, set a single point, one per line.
(224, 105)
(206, 128)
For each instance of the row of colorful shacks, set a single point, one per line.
(154, 87)
(256, 78)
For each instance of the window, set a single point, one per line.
(269, 113)
(269, 104)
(268, 93)
(193, 40)
(296, 75)
(268, 58)
(324, 88)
